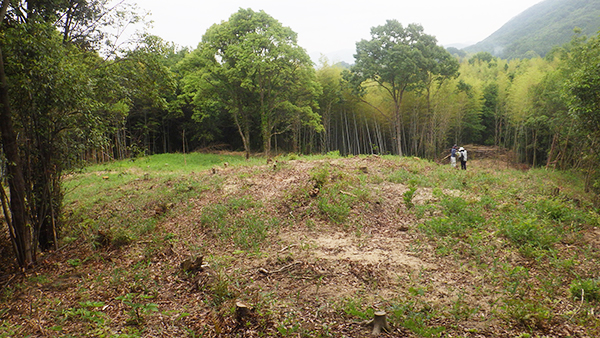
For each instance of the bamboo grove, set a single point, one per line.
(73, 95)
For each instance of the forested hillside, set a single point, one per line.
(542, 27)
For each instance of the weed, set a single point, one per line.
(453, 206)
(74, 262)
(530, 232)
(334, 205)
(461, 310)
(39, 279)
(248, 231)
(415, 316)
(138, 307)
(408, 197)
(220, 291)
(353, 307)
(588, 289)
(320, 176)
(409, 177)
(8, 330)
(527, 312)
(515, 282)
(87, 313)
(424, 210)
(457, 222)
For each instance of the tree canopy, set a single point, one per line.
(398, 60)
(254, 68)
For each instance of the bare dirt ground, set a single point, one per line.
(305, 280)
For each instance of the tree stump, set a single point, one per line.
(192, 265)
(379, 323)
(241, 311)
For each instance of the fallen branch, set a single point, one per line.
(287, 247)
(8, 282)
(348, 193)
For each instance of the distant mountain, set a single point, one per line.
(541, 27)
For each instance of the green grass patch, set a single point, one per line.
(587, 289)
(238, 220)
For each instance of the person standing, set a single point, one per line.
(453, 156)
(462, 155)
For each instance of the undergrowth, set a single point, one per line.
(521, 239)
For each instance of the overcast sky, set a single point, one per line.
(332, 27)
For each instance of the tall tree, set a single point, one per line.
(330, 79)
(47, 98)
(398, 60)
(16, 216)
(583, 90)
(256, 65)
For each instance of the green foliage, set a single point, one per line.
(416, 316)
(139, 307)
(528, 232)
(335, 205)
(354, 307)
(587, 289)
(459, 218)
(408, 197)
(252, 63)
(530, 313)
(410, 178)
(320, 176)
(88, 312)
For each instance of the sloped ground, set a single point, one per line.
(318, 271)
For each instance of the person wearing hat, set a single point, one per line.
(462, 156)
(453, 156)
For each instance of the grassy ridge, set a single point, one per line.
(520, 247)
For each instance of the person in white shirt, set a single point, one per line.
(462, 156)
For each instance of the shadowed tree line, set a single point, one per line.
(72, 94)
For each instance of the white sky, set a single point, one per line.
(332, 27)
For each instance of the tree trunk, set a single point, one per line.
(19, 222)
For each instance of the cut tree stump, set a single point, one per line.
(379, 323)
(192, 264)
(242, 311)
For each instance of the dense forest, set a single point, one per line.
(71, 94)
